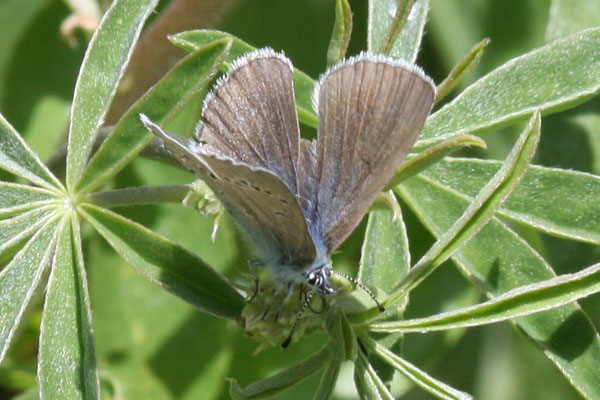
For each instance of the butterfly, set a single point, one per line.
(297, 200)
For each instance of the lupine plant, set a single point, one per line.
(174, 326)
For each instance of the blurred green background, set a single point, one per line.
(152, 345)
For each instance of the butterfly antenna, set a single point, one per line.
(360, 286)
(309, 295)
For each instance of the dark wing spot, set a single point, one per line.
(284, 201)
(280, 214)
(256, 188)
(212, 175)
(241, 183)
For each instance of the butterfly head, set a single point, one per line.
(319, 278)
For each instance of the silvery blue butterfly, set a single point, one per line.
(297, 200)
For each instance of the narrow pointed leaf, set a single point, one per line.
(481, 210)
(167, 264)
(385, 261)
(328, 380)
(282, 380)
(498, 260)
(385, 258)
(368, 383)
(469, 61)
(558, 201)
(381, 18)
(17, 158)
(15, 198)
(423, 160)
(518, 302)
(414, 374)
(103, 66)
(554, 77)
(67, 359)
(19, 280)
(129, 137)
(342, 28)
(303, 84)
(19, 227)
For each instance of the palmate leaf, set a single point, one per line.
(67, 359)
(103, 66)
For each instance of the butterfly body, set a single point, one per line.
(298, 200)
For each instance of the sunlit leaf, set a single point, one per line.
(167, 264)
(67, 359)
(103, 66)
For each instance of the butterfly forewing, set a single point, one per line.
(257, 200)
(251, 116)
(371, 110)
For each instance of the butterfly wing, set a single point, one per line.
(256, 198)
(250, 116)
(371, 110)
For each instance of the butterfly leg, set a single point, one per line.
(288, 295)
(252, 264)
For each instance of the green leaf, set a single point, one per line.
(343, 341)
(342, 28)
(519, 302)
(129, 137)
(480, 211)
(385, 258)
(15, 198)
(557, 201)
(498, 260)
(423, 160)
(570, 16)
(303, 84)
(167, 264)
(385, 261)
(103, 66)
(382, 14)
(19, 227)
(415, 375)
(67, 359)
(469, 61)
(328, 380)
(282, 380)
(552, 78)
(367, 382)
(20, 278)
(16, 157)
